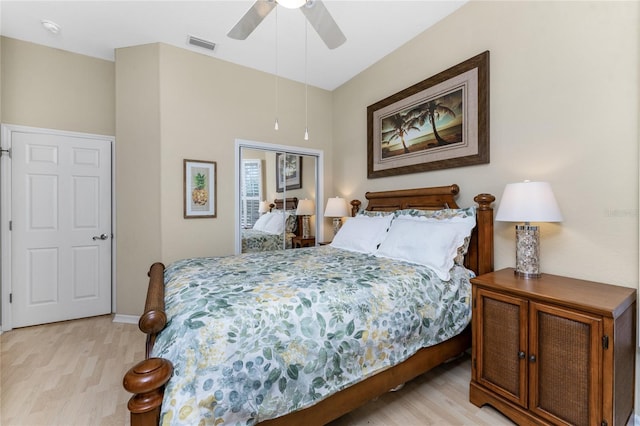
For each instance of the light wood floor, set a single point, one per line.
(70, 373)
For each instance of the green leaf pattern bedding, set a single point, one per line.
(255, 336)
(254, 240)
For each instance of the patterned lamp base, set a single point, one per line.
(306, 228)
(337, 223)
(528, 251)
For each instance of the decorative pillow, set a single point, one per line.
(442, 214)
(262, 221)
(430, 243)
(291, 224)
(374, 213)
(362, 233)
(466, 215)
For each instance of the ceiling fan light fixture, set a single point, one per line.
(291, 4)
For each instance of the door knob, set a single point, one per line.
(101, 237)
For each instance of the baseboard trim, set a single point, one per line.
(126, 319)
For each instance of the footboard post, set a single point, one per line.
(146, 381)
(154, 318)
(484, 232)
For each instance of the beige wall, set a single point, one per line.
(206, 104)
(138, 173)
(55, 89)
(564, 109)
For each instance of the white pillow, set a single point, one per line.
(430, 243)
(276, 223)
(262, 221)
(362, 233)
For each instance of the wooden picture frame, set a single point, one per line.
(288, 172)
(199, 200)
(439, 123)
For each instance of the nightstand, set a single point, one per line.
(298, 242)
(553, 350)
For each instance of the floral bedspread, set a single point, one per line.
(255, 336)
(254, 240)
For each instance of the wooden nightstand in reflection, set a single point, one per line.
(298, 242)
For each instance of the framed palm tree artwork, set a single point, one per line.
(438, 123)
(199, 189)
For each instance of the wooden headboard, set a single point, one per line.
(289, 203)
(479, 258)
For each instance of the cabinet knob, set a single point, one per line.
(521, 355)
(532, 358)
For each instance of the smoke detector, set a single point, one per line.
(50, 26)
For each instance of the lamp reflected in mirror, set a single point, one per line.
(305, 209)
(264, 207)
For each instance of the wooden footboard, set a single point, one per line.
(146, 380)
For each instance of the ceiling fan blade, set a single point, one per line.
(324, 24)
(251, 19)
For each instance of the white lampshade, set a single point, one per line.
(305, 208)
(264, 207)
(336, 207)
(528, 202)
(291, 4)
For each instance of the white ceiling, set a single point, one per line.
(95, 28)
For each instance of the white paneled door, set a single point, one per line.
(61, 227)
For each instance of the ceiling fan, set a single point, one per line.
(315, 11)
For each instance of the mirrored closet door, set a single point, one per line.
(276, 197)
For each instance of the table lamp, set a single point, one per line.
(337, 209)
(528, 202)
(264, 207)
(305, 209)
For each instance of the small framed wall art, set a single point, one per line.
(288, 172)
(199, 189)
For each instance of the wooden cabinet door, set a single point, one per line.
(501, 344)
(565, 351)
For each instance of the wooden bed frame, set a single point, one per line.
(146, 379)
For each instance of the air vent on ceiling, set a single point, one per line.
(205, 44)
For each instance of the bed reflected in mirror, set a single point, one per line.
(272, 184)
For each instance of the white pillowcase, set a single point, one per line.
(362, 233)
(276, 223)
(430, 243)
(262, 221)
